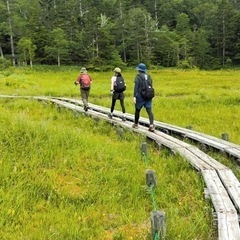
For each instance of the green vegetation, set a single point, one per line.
(206, 100)
(99, 34)
(71, 177)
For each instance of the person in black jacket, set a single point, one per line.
(138, 99)
(117, 94)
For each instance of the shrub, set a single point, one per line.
(4, 63)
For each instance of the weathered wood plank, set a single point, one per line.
(217, 192)
(190, 157)
(232, 185)
(228, 225)
(206, 158)
(197, 158)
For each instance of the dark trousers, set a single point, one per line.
(137, 115)
(120, 97)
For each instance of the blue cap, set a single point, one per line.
(141, 67)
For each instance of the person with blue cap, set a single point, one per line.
(138, 98)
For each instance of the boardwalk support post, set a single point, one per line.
(158, 224)
(120, 132)
(225, 136)
(143, 148)
(75, 114)
(151, 178)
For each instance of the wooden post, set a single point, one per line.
(95, 118)
(143, 148)
(75, 114)
(225, 136)
(203, 147)
(158, 223)
(120, 132)
(151, 178)
(58, 108)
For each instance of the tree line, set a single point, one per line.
(103, 33)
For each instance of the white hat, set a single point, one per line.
(83, 70)
(117, 70)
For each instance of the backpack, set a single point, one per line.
(147, 90)
(119, 85)
(85, 81)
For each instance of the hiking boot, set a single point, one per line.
(151, 128)
(124, 119)
(110, 115)
(135, 125)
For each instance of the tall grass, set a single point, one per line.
(206, 100)
(71, 177)
(68, 177)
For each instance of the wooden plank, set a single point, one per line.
(100, 115)
(228, 225)
(232, 185)
(194, 153)
(227, 147)
(181, 148)
(206, 158)
(222, 145)
(217, 192)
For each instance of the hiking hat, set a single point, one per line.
(83, 70)
(117, 70)
(141, 67)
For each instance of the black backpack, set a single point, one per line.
(119, 85)
(147, 90)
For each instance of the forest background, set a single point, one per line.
(102, 34)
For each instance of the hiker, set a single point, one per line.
(85, 82)
(138, 98)
(118, 86)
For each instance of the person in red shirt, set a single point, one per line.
(85, 81)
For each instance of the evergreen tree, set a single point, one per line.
(58, 46)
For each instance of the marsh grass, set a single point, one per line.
(206, 100)
(68, 177)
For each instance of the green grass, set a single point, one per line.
(64, 177)
(206, 100)
(68, 177)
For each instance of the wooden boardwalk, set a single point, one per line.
(233, 150)
(222, 185)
